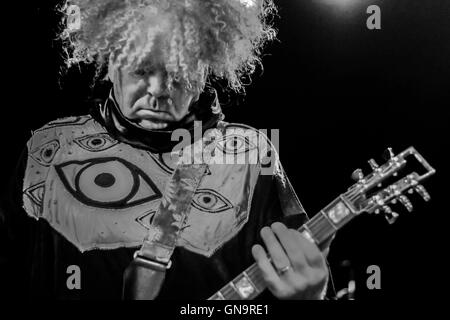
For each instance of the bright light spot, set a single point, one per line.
(248, 3)
(343, 8)
(342, 3)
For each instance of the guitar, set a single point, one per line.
(373, 194)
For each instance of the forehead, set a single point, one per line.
(152, 40)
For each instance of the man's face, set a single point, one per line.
(144, 95)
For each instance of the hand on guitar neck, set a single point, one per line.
(296, 268)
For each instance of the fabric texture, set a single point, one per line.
(93, 189)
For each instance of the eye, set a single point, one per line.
(96, 142)
(143, 70)
(107, 183)
(139, 73)
(210, 201)
(46, 153)
(235, 144)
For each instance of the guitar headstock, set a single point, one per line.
(387, 184)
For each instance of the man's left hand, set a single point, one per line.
(298, 269)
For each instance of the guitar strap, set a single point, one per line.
(144, 276)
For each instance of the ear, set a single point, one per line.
(111, 69)
(197, 95)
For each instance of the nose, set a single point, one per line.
(157, 84)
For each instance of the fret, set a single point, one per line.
(246, 285)
(256, 277)
(229, 292)
(339, 211)
(246, 276)
(244, 288)
(328, 219)
(321, 227)
(308, 234)
(363, 196)
(217, 296)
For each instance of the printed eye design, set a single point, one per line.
(107, 183)
(235, 144)
(146, 219)
(96, 142)
(36, 194)
(208, 200)
(45, 154)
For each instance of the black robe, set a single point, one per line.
(36, 258)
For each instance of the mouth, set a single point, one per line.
(155, 115)
(154, 119)
(152, 125)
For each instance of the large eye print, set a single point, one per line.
(96, 142)
(46, 153)
(107, 183)
(235, 144)
(208, 200)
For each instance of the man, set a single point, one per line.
(97, 185)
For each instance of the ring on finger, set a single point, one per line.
(284, 269)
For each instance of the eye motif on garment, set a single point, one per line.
(46, 153)
(159, 160)
(146, 219)
(235, 144)
(36, 194)
(208, 200)
(107, 183)
(96, 142)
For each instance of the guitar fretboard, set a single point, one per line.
(250, 283)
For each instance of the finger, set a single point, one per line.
(268, 272)
(276, 251)
(326, 252)
(291, 246)
(310, 250)
(327, 243)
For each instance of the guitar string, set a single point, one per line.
(253, 271)
(315, 225)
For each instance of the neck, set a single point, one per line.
(157, 141)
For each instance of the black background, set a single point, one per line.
(339, 93)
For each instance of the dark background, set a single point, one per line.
(339, 93)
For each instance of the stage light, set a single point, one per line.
(248, 3)
(344, 8)
(343, 3)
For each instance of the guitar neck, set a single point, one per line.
(250, 283)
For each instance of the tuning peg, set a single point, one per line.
(390, 215)
(375, 167)
(420, 189)
(358, 175)
(388, 154)
(405, 202)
